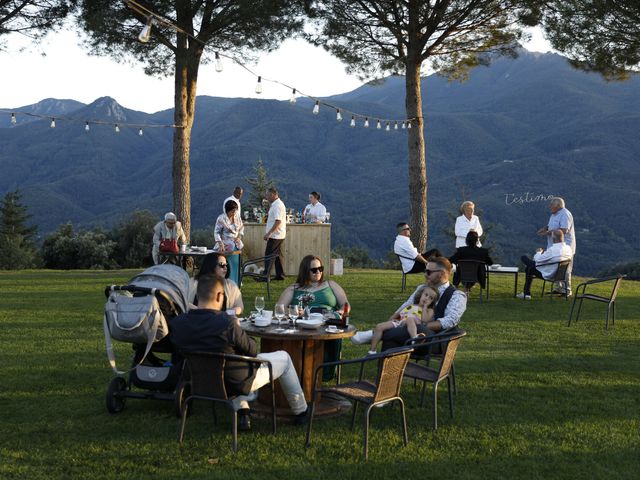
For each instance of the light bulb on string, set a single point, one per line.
(293, 98)
(395, 127)
(117, 129)
(378, 125)
(338, 115)
(353, 121)
(388, 128)
(409, 124)
(404, 125)
(140, 132)
(13, 119)
(145, 34)
(259, 85)
(316, 108)
(218, 63)
(86, 126)
(366, 122)
(53, 123)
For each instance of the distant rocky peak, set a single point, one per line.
(107, 108)
(52, 106)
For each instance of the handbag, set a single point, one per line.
(169, 245)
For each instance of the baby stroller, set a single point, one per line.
(138, 313)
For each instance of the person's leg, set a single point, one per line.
(567, 279)
(280, 258)
(378, 331)
(394, 337)
(530, 272)
(283, 370)
(412, 327)
(417, 267)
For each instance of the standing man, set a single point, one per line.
(236, 196)
(276, 232)
(561, 219)
(410, 259)
(167, 230)
(315, 212)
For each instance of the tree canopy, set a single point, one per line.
(33, 18)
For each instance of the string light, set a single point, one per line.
(218, 63)
(378, 125)
(395, 127)
(316, 108)
(404, 125)
(338, 115)
(145, 34)
(409, 124)
(117, 129)
(259, 85)
(13, 119)
(293, 98)
(353, 121)
(366, 122)
(387, 128)
(140, 132)
(53, 123)
(87, 127)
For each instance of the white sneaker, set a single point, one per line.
(522, 296)
(360, 338)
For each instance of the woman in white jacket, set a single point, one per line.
(466, 222)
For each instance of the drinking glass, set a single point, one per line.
(293, 313)
(279, 312)
(259, 304)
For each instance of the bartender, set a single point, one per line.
(315, 212)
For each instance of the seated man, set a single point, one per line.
(411, 260)
(538, 267)
(448, 311)
(210, 330)
(471, 252)
(169, 229)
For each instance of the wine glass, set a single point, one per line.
(293, 313)
(278, 312)
(259, 304)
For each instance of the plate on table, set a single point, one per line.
(495, 266)
(311, 323)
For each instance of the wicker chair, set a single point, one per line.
(204, 374)
(449, 345)
(384, 389)
(609, 300)
(262, 275)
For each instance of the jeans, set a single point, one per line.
(282, 369)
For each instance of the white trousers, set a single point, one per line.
(284, 371)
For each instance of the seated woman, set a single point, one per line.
(216, 264)
(324, 294)
(471, 252)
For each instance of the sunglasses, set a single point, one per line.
(429, 272)
(223, 265)
(317, 269)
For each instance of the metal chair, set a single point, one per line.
(205, 377)
(609, 300)
(473, 271)
(384, 389)
(559, 276)
(263, 275)
(404, 275)
(449, 345)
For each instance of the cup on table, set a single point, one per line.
(183, 248)
(267, 314)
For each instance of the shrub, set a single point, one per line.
(133, 240)
(66, 249)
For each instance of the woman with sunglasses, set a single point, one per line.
(216, 264)
(324, 295)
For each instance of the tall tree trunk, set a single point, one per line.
(417, 163)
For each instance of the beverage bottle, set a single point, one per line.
(346, 310)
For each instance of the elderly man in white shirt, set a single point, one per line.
(169, 229)
(411, 260)
(467, 222)
(315, 212)
(544, 263)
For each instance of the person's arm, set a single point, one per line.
(217, 234)
(276, 225)
(234, 297)
(452, 314)
(340, 294)
(455, 257)
(408, 301)
(156, 236)
(181, 238)
(427, 315)
(478, 228)
(287, 296)
(488, 260)
(462, 227)
(243, 344)
(320, 218)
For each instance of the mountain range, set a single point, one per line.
(509, 137)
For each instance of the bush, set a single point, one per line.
(631, 270)
(133, 240)
(203, 237)
(355, 257)
(66, 249)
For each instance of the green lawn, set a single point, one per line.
(536, 399)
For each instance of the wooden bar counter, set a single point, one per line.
(302, 239)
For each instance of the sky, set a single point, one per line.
(60, 68)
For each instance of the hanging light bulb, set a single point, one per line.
(145, 34)
(409, 124)
(338, 115)
(404, 125)
(140, 132)
(218, 63)
(259, 85)
(53, 123)
(13, 119)
(378, 125)
(388, 128)
(117, 129)
(293, 98)
(366, 122)
(395, 127)
(86, 126)
(353, 121)
(316, 108)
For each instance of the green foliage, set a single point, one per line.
(631, 270)
(259, 183)
(134, 240)
(34, 18)
(17, 240)
(354, 257)
(66, 249)
(203, 237)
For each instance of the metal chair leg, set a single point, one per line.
(404, 422)
(184, 419)
(450, 396)
(234, 431)
(435, 406)
(310, 421)
(366, 433)
(353, 415)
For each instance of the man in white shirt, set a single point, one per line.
(544, 263)
(411, 260)
(169, 229)
(235, 197)
(315, 212)
(276, 231)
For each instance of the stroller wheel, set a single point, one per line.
(115, 400)
(183, 390)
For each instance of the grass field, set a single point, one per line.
(536, 399)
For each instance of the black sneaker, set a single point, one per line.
(244, 422)
(302, 418)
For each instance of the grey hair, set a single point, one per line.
(557, 236)
(557, 201)
(466, 204)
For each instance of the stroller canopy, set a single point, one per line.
(170, 279)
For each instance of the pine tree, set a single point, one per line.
(259, 184)
(17, 240)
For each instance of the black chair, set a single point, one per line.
(204, 377)
(262, 275)
(404, 275)
(384, 389)
(610, 300)
(559, 276)
(472, 271)
(448, 343)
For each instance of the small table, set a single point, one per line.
(306, 348)
(504, 270)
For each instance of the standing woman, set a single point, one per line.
(466, 223)
(216, 264)
(229, 229)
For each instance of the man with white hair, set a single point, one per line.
(561, 219)
(167, 230)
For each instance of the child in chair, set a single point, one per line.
(420, 312)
